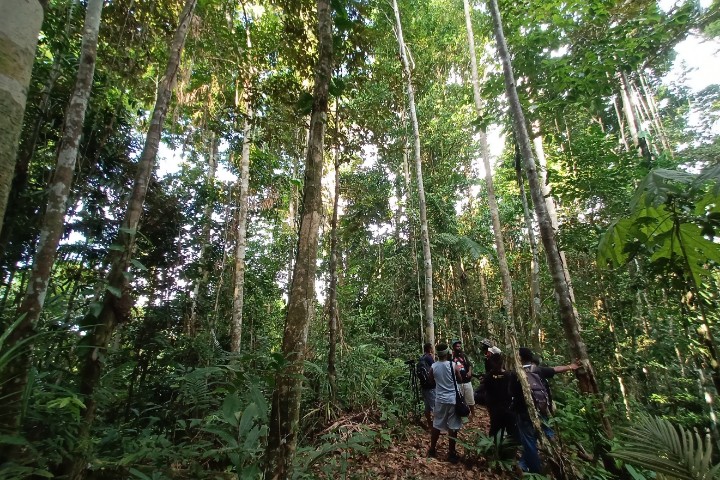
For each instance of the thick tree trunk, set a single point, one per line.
(19, 30)
(14, 376)
(201, 281)
(586, 374)
(116, 301)
(424, 231)
(508, 301)
(244, 186)
(285, 410)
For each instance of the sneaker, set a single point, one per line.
(432, 453)
(453, 458)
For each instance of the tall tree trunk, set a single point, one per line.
(424, 231)
(19, 30)
(116, 303)
(552, 209)
(244, 186)
(244, 193)
(508, 301)
(13, 378)
(535, 303)
(205, 236)
(586, 374)
(633, 123)
(285, 412)
(332, 287)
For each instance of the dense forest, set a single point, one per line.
(229, 227)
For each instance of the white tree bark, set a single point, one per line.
(424, 231)
(51, 228)
(244, 181)
(508, 301)
(20, 24)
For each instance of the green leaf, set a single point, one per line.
(114, 290)
(248, 417)
(138, 265)
(231, 405)
(116, 247)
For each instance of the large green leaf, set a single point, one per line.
(656, 444)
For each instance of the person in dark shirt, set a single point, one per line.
(497, 395)
(530, 460)
(428, 391)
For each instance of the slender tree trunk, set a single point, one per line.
(632, 120)
(585, 374)
(19, 30)
(285, 410)
(424, 231)
(201, 282)
(244, 193)
(535, 303)
(552, 210)
(244, 187)
(14, 376)
(332, 287)
(508, 301)
(116, 301)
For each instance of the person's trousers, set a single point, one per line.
(530, 459)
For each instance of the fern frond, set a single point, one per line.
(656, 444)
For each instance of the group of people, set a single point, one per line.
(451, 374)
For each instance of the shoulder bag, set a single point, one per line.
(461, 408)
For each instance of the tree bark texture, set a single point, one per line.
(14, 377)
(116, 303)
(285, 410)
(508, 301)
(586, 374)
(424, 231)
(19, 29)
(244, 181)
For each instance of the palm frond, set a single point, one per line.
(658, 445)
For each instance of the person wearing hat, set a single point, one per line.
(444, 417)
(464, 366)
(487, 346)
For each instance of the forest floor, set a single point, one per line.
(406, 457)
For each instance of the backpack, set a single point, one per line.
(422, 370)
(538, 392)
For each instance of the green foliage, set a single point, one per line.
(671, 216)
(673, 452)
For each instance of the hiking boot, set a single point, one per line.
(432, 453)
(453, 458)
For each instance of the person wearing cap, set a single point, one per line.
(486, 345)
(444, 417)
(464, 366)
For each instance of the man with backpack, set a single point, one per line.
(530, 460)
(427, 383)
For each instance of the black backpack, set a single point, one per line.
(538, 392)
(422, 370)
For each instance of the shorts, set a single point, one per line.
(467, 391)
(445, 417)
(429, 399)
